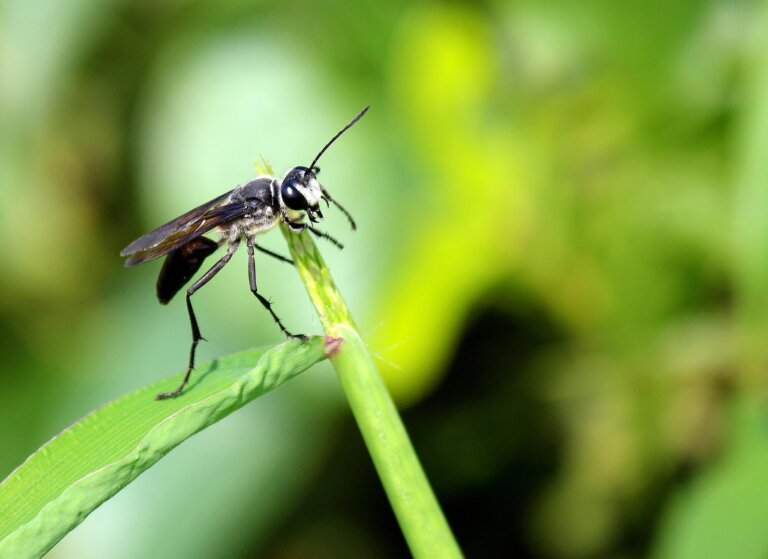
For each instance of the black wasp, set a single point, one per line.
(241, 213)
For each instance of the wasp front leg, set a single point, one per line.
(299, 227)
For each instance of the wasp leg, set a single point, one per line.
(298, 227)
(196, 336)
(352, 223)
(267, 305)
(273, 254)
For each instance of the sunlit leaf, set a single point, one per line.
(71, 475)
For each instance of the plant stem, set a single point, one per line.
(417, 510)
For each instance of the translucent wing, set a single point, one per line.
(181, 230)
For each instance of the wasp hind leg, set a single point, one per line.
(196, 336)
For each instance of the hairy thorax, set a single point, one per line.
(257, 197)
(250, 225)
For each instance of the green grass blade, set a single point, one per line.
(76, 471)
(417, 510)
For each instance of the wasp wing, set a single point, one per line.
(153, 238)
(181, 230)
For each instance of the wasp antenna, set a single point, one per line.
(339, 133)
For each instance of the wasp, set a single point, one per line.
(238, 216)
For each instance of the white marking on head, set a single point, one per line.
(312, 192)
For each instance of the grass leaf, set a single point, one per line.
(60, 484)
(417, 510)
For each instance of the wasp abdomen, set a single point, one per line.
(181, 264)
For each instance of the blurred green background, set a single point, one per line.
(561, 264)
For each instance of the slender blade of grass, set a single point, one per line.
(416, 508)
(65, 480)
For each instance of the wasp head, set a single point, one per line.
(301, 191)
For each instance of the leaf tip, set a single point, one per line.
(332, 346)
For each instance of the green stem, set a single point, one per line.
(417, 510)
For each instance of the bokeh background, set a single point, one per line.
(561, 264)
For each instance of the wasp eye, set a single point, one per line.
(292, 197)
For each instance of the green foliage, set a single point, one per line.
(723, 513)
(581, 184)
(60, 484)
(418, 512)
